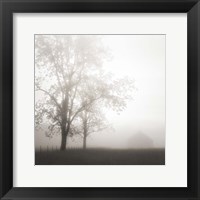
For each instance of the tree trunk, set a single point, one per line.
(84, 142)
(63, 140)
(84, 136)
(64, 137)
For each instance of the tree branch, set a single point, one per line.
(51, 96)
(84, 106)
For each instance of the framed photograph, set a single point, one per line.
(99, 99)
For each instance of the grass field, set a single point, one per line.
(101, 157)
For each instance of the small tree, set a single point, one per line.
(114, 95)
(92, 120)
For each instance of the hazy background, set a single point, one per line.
(142, 123)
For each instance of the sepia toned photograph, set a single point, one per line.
(99, 99)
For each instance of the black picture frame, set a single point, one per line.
(8, 7)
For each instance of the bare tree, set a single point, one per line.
(69, 80)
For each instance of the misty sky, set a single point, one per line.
(142, 58)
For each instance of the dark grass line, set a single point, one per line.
(101, 157)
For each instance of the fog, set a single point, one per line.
(142, 123)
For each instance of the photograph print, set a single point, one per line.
(99, 99)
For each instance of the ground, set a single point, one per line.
(101, 157)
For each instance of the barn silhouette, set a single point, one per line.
(140, 140)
